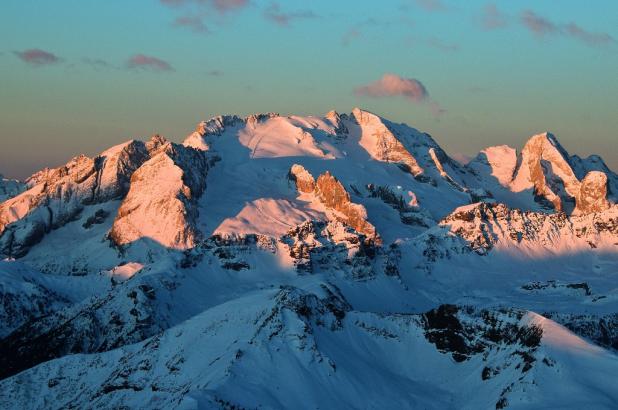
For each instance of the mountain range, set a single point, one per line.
(342, 261)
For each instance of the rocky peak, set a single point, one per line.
(161, 203)
(382, 144)
(304, 180)
(214, 126)
(253, 119)
(592, 195)
(154, 144)
(115, 167)
(544, 167)
(337, 121)
(332, 194)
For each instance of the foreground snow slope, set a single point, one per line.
(285, 348)
(311, 262)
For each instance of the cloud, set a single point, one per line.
(492, 18)
(215, 73)
(277, 16)
(141, 61)
(193, 23)
(224, 6)
(538, 25)
(542, 27)
(36, 57)
(431, 5)
(392, 85)
(593, 39)
(198, 16)
(221, 6)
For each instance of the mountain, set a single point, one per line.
(545, 176)
(343, 261)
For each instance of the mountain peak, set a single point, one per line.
(544, 166)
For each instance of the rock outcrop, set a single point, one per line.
(304, 180)
(592, 195)
(381, 144)
(161, 204)
(332, 194)
(544, 167)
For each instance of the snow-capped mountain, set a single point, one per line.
(342, 261)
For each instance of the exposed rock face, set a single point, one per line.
(335, 119)
(544, 167)
(546, 170)
(381, 144)
(57, 196)
(581, 167)
(592, 195)
(333, 195)
(303, 179)
(324, 246)
(160, 205)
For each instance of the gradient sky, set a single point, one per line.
(81, 75)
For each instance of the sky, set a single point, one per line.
(79, 76)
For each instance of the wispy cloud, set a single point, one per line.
(431, 5)
(141, 61)
(197, 15)
(274, 13)
(492, 18)
(536, 24)
(225, 6)
(37, 57)
(215, 73)
(193, 23)
(593, 39)
(221, 6)
(542, 27)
